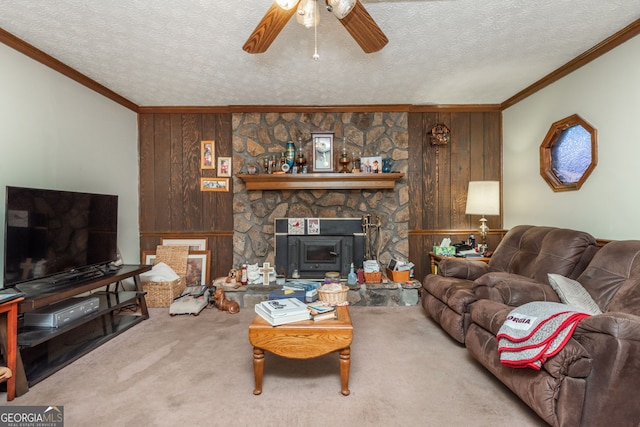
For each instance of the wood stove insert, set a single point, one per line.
(337, 243)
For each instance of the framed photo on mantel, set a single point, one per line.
(322, 152)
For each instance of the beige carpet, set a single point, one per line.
(197, 371)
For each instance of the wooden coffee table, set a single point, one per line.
(303, 340)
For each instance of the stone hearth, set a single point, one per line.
(381, 294)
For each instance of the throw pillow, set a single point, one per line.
(571, 292)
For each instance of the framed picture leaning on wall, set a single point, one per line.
(197, 266)
(322, 152)
(194, 243)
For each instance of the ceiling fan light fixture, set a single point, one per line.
(287, 4)
(341, 8)
(308, 13)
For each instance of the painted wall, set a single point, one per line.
(606, 93)
(57, 134)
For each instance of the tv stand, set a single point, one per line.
(77, 276)
(44, 350)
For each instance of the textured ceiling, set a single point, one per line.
(189, 52)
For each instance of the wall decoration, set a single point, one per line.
(224, 166)
(295, 226)
(194, 243)
(440, 134)
(197, 266)
(371, 164)
(207, 155)
(214, 184)
(322, 152)
(313, 226)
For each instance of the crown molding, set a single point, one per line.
(627, 33)
(49, 61)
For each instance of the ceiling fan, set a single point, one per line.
(351, 13)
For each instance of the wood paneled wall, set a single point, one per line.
(439, 176)
(171, 203)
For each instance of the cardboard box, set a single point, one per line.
(444, 250)
(398, 276)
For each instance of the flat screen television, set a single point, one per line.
(53, 235)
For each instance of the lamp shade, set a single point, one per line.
(483, 198)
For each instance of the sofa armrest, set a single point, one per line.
(613, 343)
(572, 361)
(621, 326)
(512, 289)
(462, 268)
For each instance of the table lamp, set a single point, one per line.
(483, 198)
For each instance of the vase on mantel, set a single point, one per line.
(291, 154)
(386, 165)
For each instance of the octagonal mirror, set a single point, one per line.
(568, 153)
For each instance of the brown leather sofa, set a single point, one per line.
(594, 380)
(526, 254)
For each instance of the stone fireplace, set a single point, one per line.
(255, 212)
(318, 245)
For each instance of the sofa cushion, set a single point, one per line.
(613, 277)
(512, 289)
(573, 293)
(534, 251)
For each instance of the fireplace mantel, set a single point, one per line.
(325, 181)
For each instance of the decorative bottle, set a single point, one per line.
(301, 161)
(273, 165)
(283, 160)
(352, 278)
(291, 154)
(243, 275)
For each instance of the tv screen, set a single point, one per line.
(48, 232)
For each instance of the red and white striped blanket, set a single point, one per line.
(536, 331)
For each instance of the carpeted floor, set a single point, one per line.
(197, 371)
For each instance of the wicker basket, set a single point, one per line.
(162, 294)
(333, 296)
(373, 277)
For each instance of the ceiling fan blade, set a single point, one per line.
(364, 29)
(268, 29)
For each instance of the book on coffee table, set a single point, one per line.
(281, 318)
(325, 316)
(280, 307)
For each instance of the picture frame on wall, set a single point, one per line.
(224, 166)
(194, 243)
(197, 266)
(322, 152)
(214, 184)
(207, 154)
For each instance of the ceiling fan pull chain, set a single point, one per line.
(315, 36)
